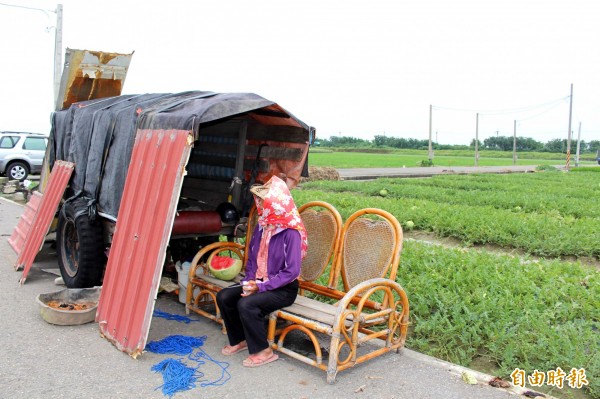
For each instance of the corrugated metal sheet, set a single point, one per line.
(89, 75)
(19, 234)
(142, 232)
(59, 178)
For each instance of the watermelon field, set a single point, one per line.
(410, 158)
(520, 286)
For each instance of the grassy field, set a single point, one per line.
(550, 214)
(498, 312)
(411, 158)
(490, 311)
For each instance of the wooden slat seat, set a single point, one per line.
(311, 309)
(221, 283)
(371, 305)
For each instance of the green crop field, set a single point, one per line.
(499, 312)
(490, 311)
(411, 158)
(549, 214)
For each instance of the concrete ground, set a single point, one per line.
(41, 360)
(374, 173)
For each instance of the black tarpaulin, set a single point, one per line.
(98, 135)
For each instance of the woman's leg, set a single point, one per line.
(227, 300)
(253, 309)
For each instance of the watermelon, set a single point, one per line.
(224, 267)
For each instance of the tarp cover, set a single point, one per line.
(98, 135)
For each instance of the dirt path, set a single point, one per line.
(451, 242)
(374, 173)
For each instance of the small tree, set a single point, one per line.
(556, 145)
(479, 144)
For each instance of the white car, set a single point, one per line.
(21, 154)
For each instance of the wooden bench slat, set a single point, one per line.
(308, 313)
(313, 309)
(218, 282)
(315, 304)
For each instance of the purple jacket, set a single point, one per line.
(283, 261)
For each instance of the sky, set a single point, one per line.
(348, 68)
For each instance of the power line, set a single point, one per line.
(539, 113)
(504, 111)
(57, 40)
(29, 8)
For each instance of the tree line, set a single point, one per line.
(497, 143)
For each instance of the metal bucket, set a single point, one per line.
(71, 306)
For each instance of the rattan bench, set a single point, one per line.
(323, 224)
(369, 305)
(348, 294)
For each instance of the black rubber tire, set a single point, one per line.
(17, 171)
(80, 248)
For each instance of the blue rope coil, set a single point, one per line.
(176, 344)
(171, 316)
(225, 375)
(176, 376)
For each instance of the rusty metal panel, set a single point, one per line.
(89, 75)
(19, 234)
(141, 236)
(59, 178)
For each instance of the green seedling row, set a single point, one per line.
(551, 214)
(513, 312)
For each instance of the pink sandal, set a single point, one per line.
(228, 349)
(253, 362)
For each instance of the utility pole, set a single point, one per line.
(578, 145)
(430, 147)
(569, 131)
(515, 143)
(477, 139)
(57, 41)
(58, 50)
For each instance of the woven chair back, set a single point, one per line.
(323, 226)
(371, 247)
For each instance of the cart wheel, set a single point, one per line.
(80, 248)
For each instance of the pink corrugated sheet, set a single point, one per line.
(19, 234)
(141, 235)
(42, 219)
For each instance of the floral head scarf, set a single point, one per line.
(278, 209)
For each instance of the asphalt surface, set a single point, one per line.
(374, 173)
(41, 360)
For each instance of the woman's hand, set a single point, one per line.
(250, 288)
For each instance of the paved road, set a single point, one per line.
(374, 173)
(41, 360)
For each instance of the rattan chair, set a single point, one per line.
(371, 305)
(202, 288)
(323, 225)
